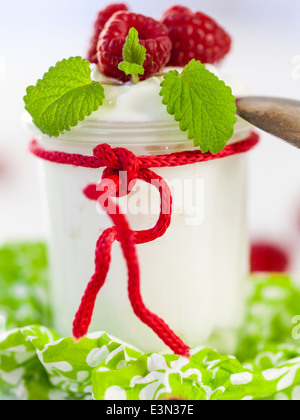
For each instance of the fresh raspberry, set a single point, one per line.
(153, 35)
(268, 257)
(194, 35)
(177, 9)
(103, 17)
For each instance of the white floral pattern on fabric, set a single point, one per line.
(72, 371)
(37, 364)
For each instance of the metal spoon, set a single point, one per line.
(279, 117)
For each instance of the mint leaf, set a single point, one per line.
(203, 104)
(65, 96)
(134, 56)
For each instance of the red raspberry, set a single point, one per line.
(153, 36)
(102, 18)
(268, 257)
(194, 35)
(177, 9)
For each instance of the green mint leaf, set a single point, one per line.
(131, 68)
(65, 96)
(134, 55)
(203, 104)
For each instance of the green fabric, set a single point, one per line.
(23, 285)
(37, 364)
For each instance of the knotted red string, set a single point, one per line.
(116, 161)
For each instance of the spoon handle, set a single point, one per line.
(279, 117)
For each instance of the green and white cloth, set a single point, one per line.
(37, 364)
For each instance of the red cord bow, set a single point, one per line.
(121, 160)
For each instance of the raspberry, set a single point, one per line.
(177, 9)
(268, 257)
(194, 35)
(153, 36)
(103, 17)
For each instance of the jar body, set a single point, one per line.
(192, 277)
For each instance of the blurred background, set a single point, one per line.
(36, 34)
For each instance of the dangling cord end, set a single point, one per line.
(102, 262)
(164, 332)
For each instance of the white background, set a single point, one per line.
(34, 34)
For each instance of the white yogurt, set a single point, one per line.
(192, 277)
(141, 102)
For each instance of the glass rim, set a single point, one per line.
(92, 132)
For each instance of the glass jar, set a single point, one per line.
(192, 277)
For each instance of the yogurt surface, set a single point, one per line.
(141, 102)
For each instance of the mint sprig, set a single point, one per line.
(134, 56)
(203, 105)
(64, 96)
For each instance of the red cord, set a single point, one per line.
(115, 161)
